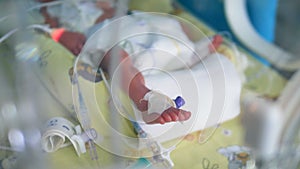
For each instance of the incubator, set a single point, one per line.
(65, 111)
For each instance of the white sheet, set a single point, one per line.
(211, 90)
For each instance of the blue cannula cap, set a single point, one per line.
(179, 101)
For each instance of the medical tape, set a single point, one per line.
(158, 102)
(55, 134)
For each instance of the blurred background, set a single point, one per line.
(288, 24)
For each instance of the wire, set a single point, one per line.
(45, 5)
(7, 35)
(4, 18)
(44, 28)
(7, 148)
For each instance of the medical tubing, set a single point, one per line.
(85, 121)
(7, 35)
(33, 26)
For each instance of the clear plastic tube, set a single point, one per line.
(7, 35)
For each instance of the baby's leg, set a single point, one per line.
(133, 83)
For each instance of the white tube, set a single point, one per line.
(239, 22)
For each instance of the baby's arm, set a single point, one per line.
(51, 21)
(108, 11)
(73, 41)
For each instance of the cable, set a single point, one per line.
(235, 12)
(45, 5)
(7, 35)
(44, 28)
(7, 148)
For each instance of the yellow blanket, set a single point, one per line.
(227, 140)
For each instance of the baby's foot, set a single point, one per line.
(159, 108)
(172, 114)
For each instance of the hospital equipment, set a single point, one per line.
(255, 42)
(58, 129)
(252, 24)
(84, 119)
(274, 136)
(278, 119)
(20, 117)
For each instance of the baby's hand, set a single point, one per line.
(52, 22)
(73, 41)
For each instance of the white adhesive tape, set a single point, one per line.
(158, 102)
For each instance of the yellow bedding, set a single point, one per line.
(188, 154)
